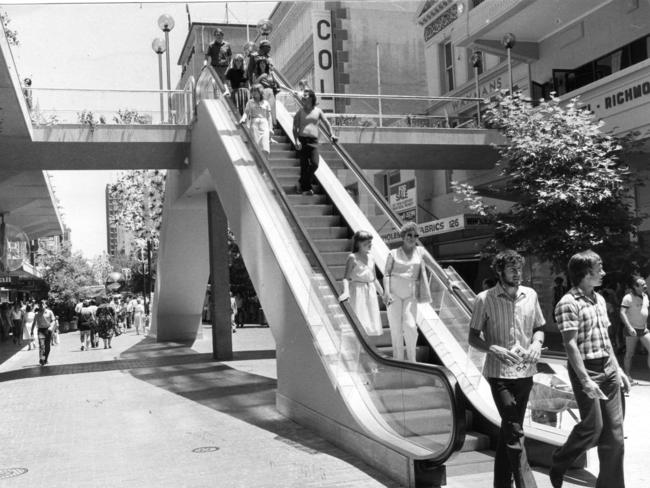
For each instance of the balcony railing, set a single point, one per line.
(95, 107)
(364, 110)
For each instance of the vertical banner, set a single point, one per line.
(323, 57)
(404, 200)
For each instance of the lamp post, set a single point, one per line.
(166, 24)
(477, 63)
(509, 41)
(158, 45)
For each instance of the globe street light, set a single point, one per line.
(158, 45)
(509, 41)
(477, 63)
(166, 24)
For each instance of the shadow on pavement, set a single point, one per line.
(244, 396)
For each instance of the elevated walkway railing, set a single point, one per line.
(355, 367)
(96, 106)
(366, 110)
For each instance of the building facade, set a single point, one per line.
(119, 240)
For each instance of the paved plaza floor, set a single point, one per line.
(166, 415)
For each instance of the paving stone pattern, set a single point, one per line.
(166, 415)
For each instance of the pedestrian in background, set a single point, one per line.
(106, 322)
(43, 321)
(138, 316)
(85, 323)
(16, 315)
(508, 324)
(28, 325)
(634, 316)
(595, 375)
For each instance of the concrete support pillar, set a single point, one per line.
(219, 271)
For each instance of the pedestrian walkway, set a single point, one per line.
(166, 415)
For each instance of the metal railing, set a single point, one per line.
(457, 431)
(95, 106)
(365, 110)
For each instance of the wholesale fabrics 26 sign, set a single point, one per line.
(431, 228)
(403, 199)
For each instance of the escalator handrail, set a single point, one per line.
(449, 381)
(379, 199)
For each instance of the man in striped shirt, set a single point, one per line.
(510, 320)
(595, 375)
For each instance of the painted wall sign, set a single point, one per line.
(431, 228)
(404, 200)
(323, 57)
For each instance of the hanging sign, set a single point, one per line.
(323, 57)
(404, 200)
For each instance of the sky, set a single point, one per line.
(103, 46)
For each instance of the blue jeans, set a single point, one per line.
(601, 424)
(44, 344)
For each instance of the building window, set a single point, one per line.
(448, 58)
(470, 64)
(566, 80)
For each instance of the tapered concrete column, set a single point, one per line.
(220, 273)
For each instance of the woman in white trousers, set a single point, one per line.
(406, 284)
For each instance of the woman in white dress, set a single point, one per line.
(406, 284)
(138, 316)
(258, 115)
(361, 286)
(28, 322)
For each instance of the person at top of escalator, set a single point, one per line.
(219, 53)
(258, 115)
(510, 321)
(360, 284)
(254, 58)
(237, 83)
(305, 131)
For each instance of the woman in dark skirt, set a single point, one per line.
(106, 323)
(238, 83)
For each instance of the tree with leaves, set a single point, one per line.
(140, 195)
(65, 272)
(12, 35)
(101, 267)
(567, 181)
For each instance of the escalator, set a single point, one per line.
(405, 419)
(348, 198)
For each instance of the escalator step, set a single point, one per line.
(307, 199)
(333, 245)
(322, 221)
(421, 352)
(420, 422)
(282, 153)
(314, 210)
(335, 258)
(284, 162)
(418, 398)
(331, 232)
(474, 441)
(286, 171)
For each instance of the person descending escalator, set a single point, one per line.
(361, 286)
(219, 53)
(305, 131)
(237, 82)
(258, 115)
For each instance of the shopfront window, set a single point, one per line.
(567, 80)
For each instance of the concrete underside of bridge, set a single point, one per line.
(421, 148)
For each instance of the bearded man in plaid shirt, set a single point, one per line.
(595, 375)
